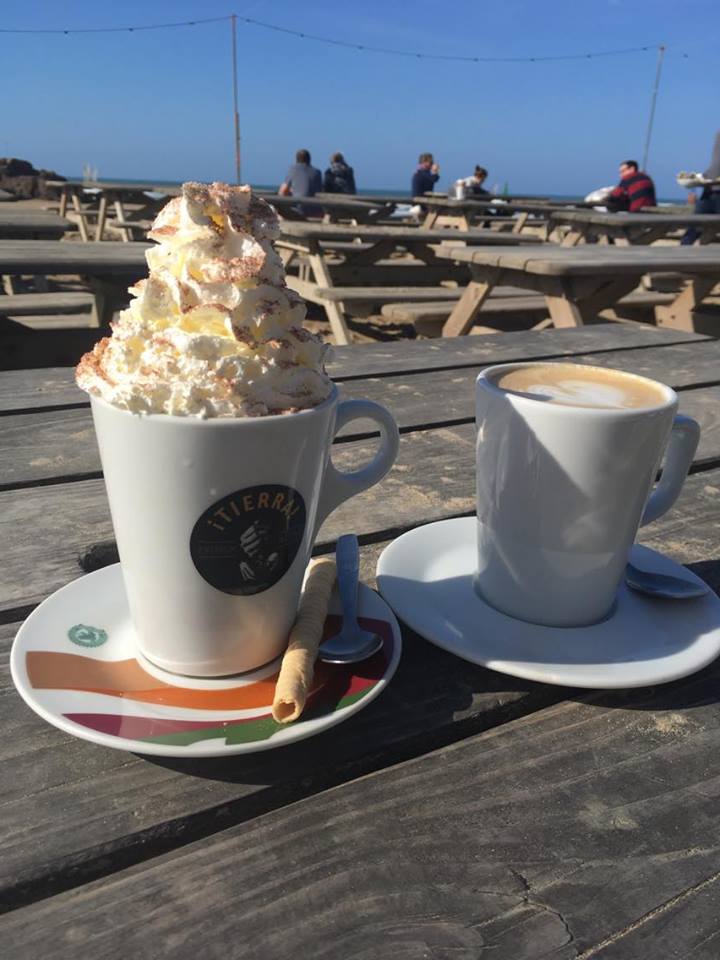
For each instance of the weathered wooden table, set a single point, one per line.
(447, 211)
(579, 282)
(31, 225)
(109, 268)
(333, 207)
(625, 228)
(361, 273)
(84, 195)
(463, 814)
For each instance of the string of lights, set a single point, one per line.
(348, 44)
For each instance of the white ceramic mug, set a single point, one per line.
(215, 522)
(561, 491)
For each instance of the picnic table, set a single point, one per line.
(451, 212)
(364, 273)
(626, 228)
(462, 814)
(333, 207)
(108, 268)
(85, 194)
(31, 225)
(580, 282)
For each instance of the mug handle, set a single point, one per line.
(680, 452)
(338, 486)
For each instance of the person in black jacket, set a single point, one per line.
(426, 175)
(339, 176)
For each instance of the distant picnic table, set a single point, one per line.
(465, 814)
(579, 282)
(83, 195)
(332, 206)
(637, 228)
(448, 211)
(362, 270)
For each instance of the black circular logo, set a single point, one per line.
(246, 542)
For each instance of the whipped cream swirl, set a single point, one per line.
(213, 331)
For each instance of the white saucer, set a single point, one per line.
(426, 576)
(75, 663)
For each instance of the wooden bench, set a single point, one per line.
(131, 229)
(429, 316)
(29, 304)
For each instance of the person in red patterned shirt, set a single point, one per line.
(635, 190)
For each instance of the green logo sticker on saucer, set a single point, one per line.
(85, 636)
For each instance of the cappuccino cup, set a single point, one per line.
(215, 521)
(567, 455)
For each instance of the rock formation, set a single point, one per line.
(22, 179)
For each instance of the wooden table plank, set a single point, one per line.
(20, 223)
(52, 257)
(432, 479)
(670, 220)
(551, 260)
(52, 444)
(131, 807)
(401, 234)
(561, 834)
(28, 389)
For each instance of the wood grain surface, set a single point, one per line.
(463, 815)
(554, 836)
(590, 260)
(27, 389)
(51, 444)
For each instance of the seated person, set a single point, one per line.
(303, 180)
(635, 190)
(474, 184)
(339, 176)
(426, 175)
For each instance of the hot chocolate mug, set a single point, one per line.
(215, 520)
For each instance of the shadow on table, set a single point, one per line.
(433, 700)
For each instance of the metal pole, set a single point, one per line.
(233, 18)
(661, 55)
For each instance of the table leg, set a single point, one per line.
(573, 238)
(679, 314)
(430, 218)
(125, 233)
(77, 206)
(574, 304)
(469, 305)
(563, 312)
(334, 309)
(102, 214)
(63, 201)
(520, 223)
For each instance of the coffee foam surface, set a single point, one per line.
(571, 385)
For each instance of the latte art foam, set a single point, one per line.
(573, 385)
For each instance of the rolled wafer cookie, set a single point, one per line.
(298, 664)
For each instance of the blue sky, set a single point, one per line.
(158, 104)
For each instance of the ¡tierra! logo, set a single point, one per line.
(246, 542)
